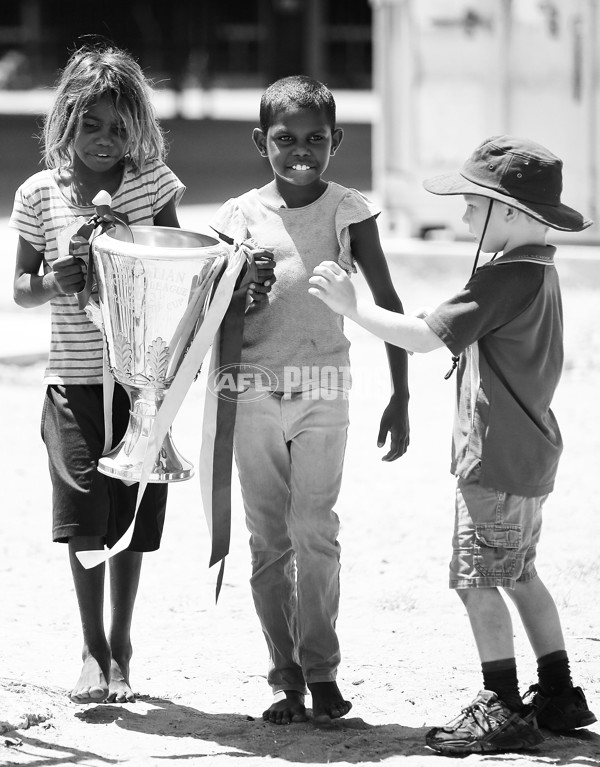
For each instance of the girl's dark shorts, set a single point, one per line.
(84, 501)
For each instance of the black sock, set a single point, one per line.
(500, 676)
(554, 674)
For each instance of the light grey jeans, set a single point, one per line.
(290, 453)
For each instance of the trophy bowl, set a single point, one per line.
(153, 294)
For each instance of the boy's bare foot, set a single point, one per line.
(287, 710)
(92, 686)
(119, 690)
(328, 702)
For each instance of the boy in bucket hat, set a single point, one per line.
(505, 332)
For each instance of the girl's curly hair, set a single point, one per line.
(91, 73)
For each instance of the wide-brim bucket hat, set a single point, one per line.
(518, 172)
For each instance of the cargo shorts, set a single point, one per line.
(495, 536)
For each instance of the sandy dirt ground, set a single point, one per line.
(409, 661)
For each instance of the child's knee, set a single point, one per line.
(471, 597)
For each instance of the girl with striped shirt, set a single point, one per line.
(101, 133)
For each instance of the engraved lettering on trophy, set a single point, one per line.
(152, 303)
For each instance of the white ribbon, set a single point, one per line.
(174, 397)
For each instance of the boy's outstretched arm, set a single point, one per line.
(368, 254)
(330, 283)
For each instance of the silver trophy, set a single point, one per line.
(154, 287)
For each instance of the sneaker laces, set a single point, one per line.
(476, 714)
(529, 699)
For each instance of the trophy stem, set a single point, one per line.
(125, 461)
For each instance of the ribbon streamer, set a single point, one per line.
(175, 395)
(216, 453)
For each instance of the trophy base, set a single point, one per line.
(170, 466)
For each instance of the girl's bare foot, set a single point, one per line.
(119, 690)
(328, 702)
(92, 685)
(289, 709)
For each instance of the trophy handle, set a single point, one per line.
(103, 219)
(85, 299)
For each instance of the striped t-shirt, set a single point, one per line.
(41, 212)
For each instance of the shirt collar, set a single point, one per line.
(537, 254)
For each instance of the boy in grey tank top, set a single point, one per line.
(290, 435)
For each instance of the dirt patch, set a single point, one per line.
(409, 661)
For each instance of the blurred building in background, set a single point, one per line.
(450, 73)
(185, 43)
(432, 77)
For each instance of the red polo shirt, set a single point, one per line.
(506, 325)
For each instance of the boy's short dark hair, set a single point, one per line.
(298, 91)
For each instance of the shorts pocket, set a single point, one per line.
(496, 549)
(44, 414)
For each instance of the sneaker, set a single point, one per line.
(486, 725)
(568, 710)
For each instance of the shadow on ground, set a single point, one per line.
(350, 740)
(297, 743)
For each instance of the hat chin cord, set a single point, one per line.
(455, 360)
